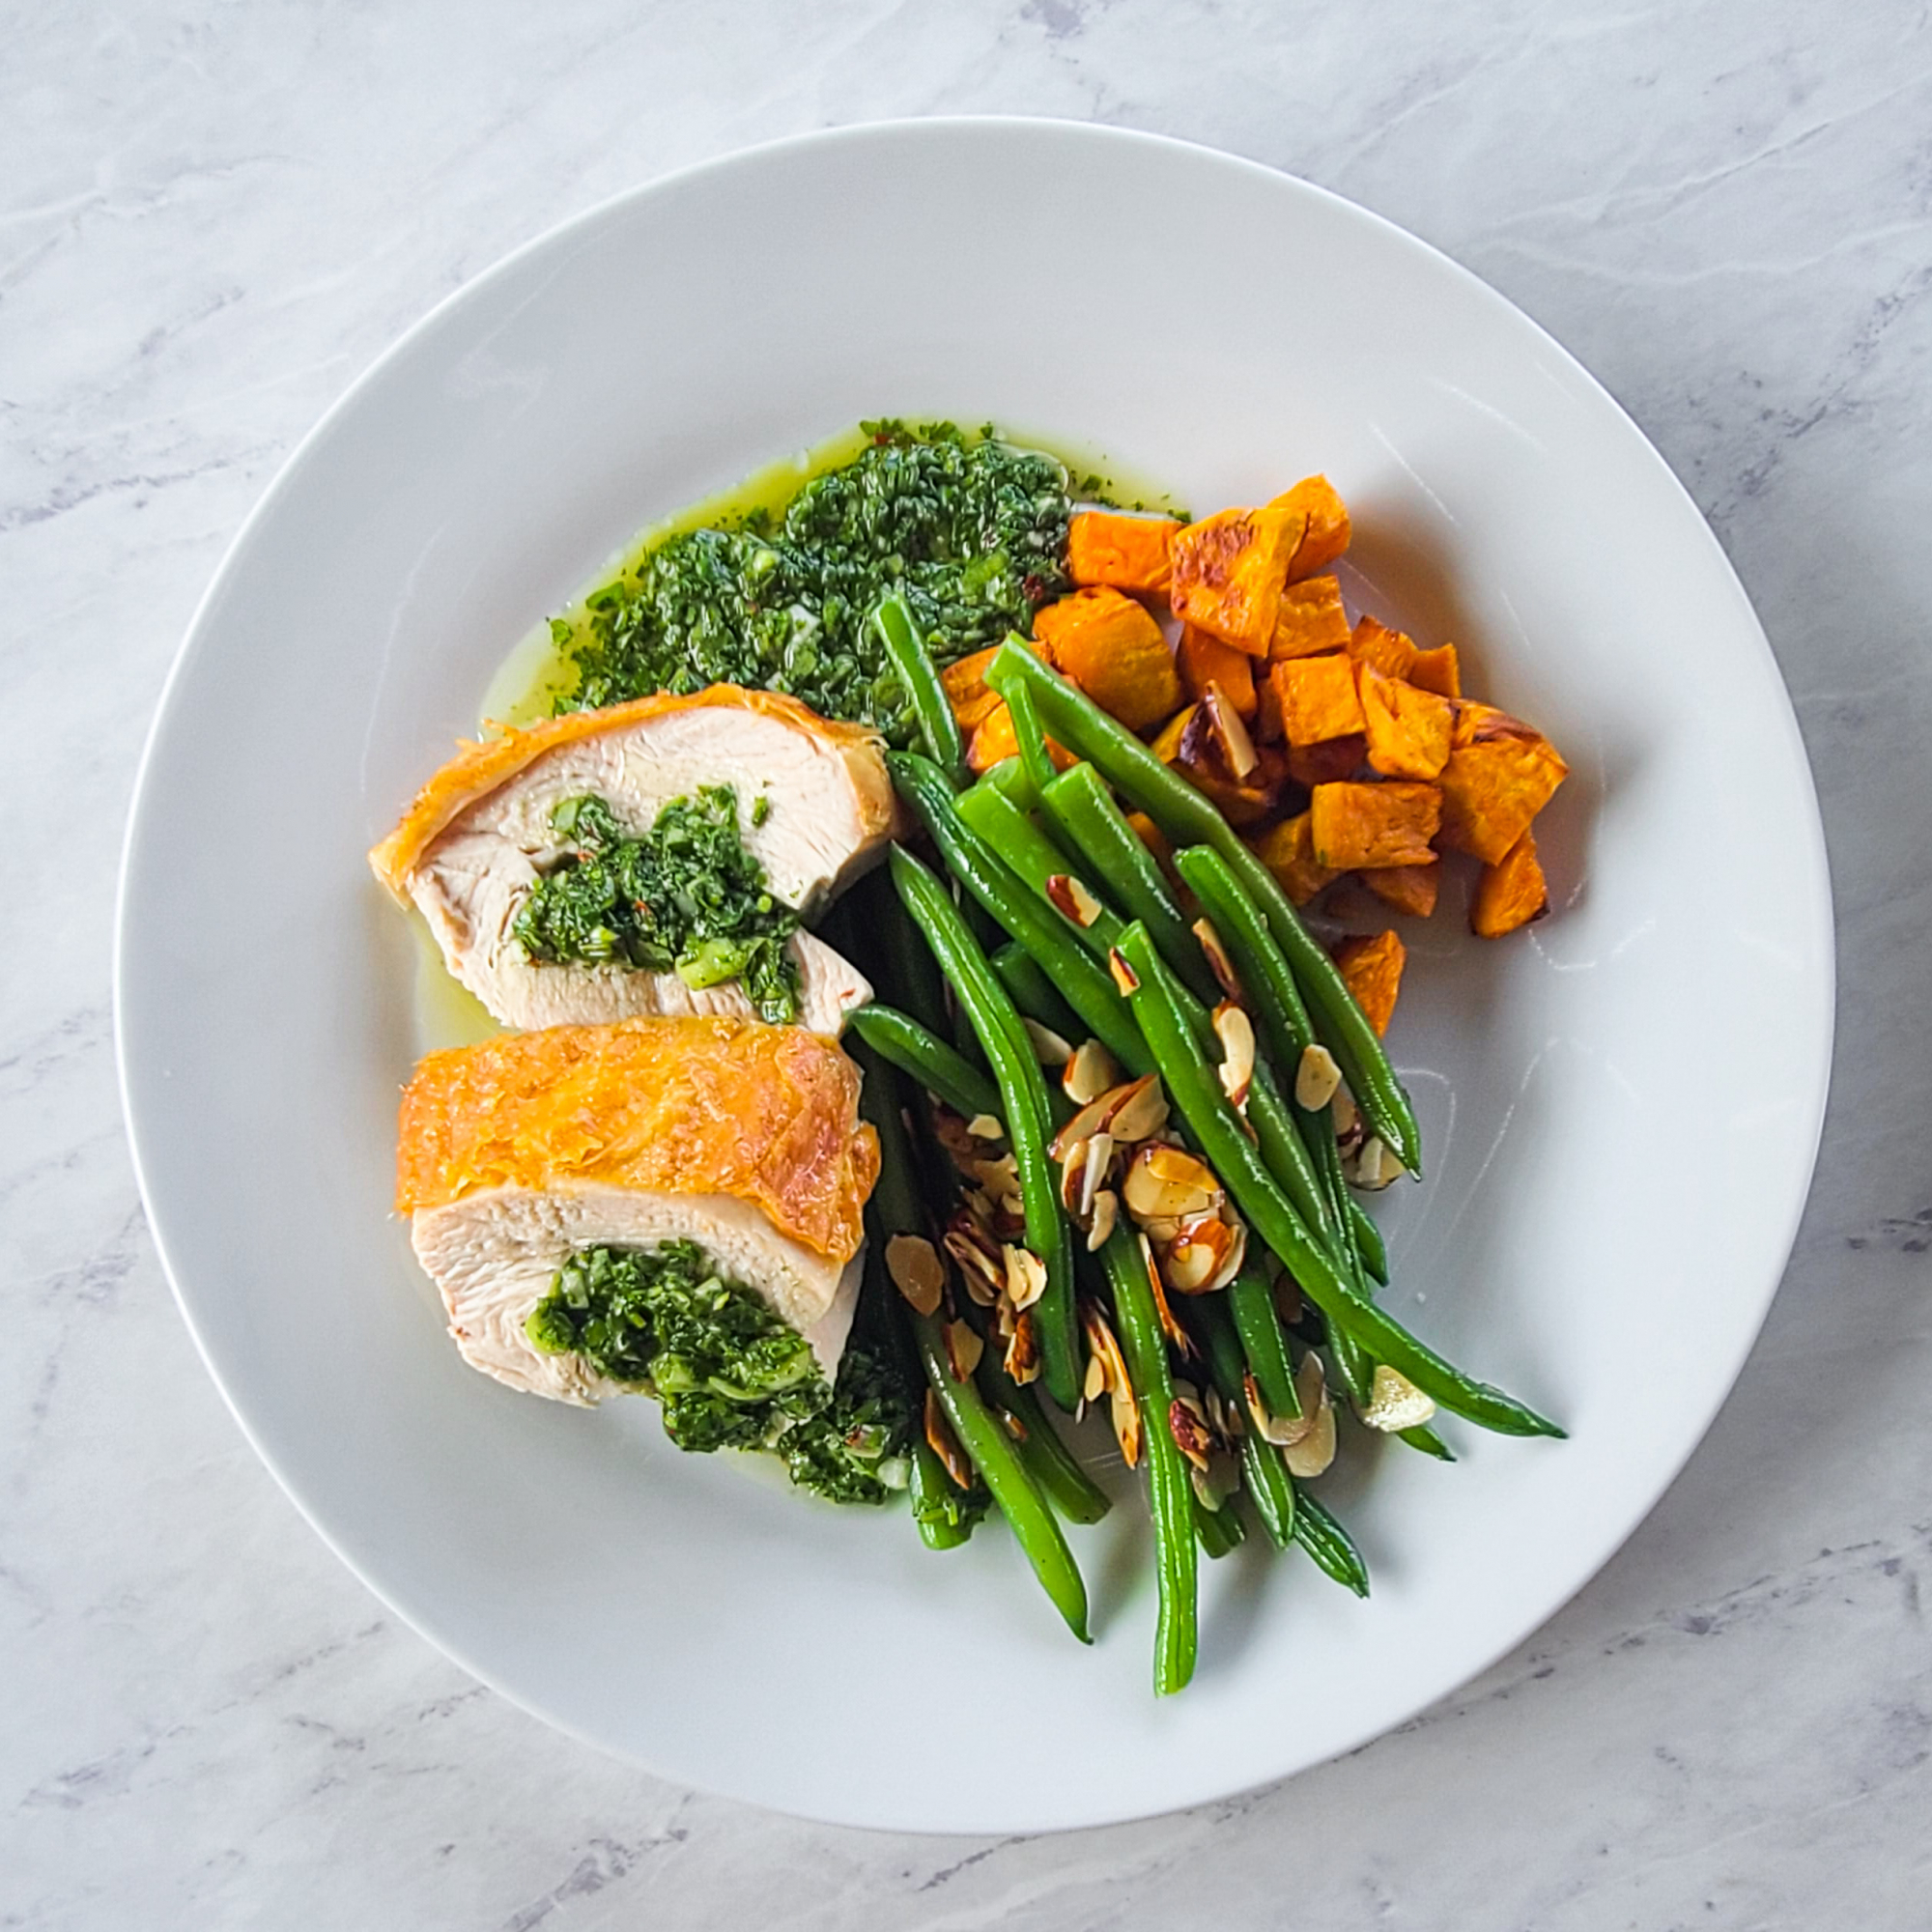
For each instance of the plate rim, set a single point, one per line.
(1810, 869)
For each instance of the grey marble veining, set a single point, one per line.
(213, 216)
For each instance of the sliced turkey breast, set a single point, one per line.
(814, 809)
(744, 1138)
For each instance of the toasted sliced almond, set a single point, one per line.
(945, 1445)
(1094, 1385)
(917, 1272)
(1269, 1428)
(1187, 1424)
(1218, 961)
(1073, 1175)
(1395, 1403)
(1169, 1182)
(1048, 1047)
(1206, 1254)
(1001, 1178)
(1125, 978)
(1106, 1213)
(1236, 1032)
(1375, 1167)
(1022, 1360)
(1125, 1111)
(1348, 1119)
(1098, 1165)
(1125, 1415)
(1104, 1349)
(1069, 896)
(984, 1274)
(1183, 1340)
(1316, 1450)
(963, 1349)
(985, 1127)
(1230, 733)
(1316, 1077)
(1026, 1277)
(1090, 1073)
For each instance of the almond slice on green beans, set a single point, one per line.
(1315, 1078)
(1090, 1073)
(1395, 1403)
(917, 1272)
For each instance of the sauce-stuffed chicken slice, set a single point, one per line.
(618, 1206)
(656, 858)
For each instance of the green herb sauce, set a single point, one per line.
(686, 896)
(727, 1372)
(970, 530)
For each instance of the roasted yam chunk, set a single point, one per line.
(1115, 652)
(1229, 570)
(964, 682)
(1128, 552)
(1318, 700)
(1409, 889)
(1310, 620)
(1326, 532)
(1500, 773)
(1205, 659)
(1511, 893)
(1437, 671)
(1372, 643)
(1358, 826)
(1371, 969)
(1335, 758)
(1287, 851)
(1408, 728)
(744, 1138)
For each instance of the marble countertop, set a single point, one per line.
(214, 217)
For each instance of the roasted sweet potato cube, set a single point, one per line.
(1372, 971)
(1229, 570)
(1319, 699)
(1368, 825)
(1204, 659)
(1115, 652)
(1165, 744)
(1511, 893)
(1437, 670)
(1287, 851)
(1372, 643)
(1326, 535)
(1313, 766)
(1310, 619)
(1128, 552)
(1409, 889)
(1500, 773)
(964, 682)
(994, 740)
(1408, 728)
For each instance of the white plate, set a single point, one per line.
(1621, 1105)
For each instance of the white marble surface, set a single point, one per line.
(213, 216)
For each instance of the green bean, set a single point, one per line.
(1264, 1474)
(1035, 760)
(1026, 1113)
(1034, 994)
(1369, 1243)
(1187, 817)
(1193, 1088)
(938, 1067)
(892, 622)
(1049, 936)
(995, 1455)
(1081, 805)
(942, 1512)
(1171, 1489)
(1275, 999)
(1030, 853)
(1331, 1546)
(1218, 1531)
(1251, 1304)
(1054, 1466)
(1425, 1439)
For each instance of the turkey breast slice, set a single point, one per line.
(815, 807)
(493, 1256)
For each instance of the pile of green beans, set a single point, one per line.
(1064, 917)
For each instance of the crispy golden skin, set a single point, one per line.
(478, 769)
(765, 1113)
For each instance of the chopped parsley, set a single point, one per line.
(726, 1371)
(971, 531)
(686, 896)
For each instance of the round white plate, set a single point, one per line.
(1621, 1105)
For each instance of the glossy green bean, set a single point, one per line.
(1171, 1489)
(1025, 1111)
(1188, 817)
(995, 1455)
(1053, 939)
(1193, 1089)
(1032, 741)
(1034, 994)
(1030, 853)
(941, 1070)
(1218, 1531)
(1251, 1305)
(891, 623)
(1263, 1473)
(1426, 1439)
(1369, 1243)
(1331, 1546)
(1054, 1466)
(1079, 802)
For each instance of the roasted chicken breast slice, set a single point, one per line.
(744, 1138)
(815, 807)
